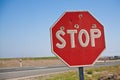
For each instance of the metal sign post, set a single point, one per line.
(81, 73)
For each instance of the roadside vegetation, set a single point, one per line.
(101, 73)
(39, 58)
(29, 58)
(29, 61)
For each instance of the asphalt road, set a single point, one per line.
(10, 73)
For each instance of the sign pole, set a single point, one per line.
(81, 73)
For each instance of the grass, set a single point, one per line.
(102, 71)
(30, 58)
(89, 73)
(70, 75)
(39, 58)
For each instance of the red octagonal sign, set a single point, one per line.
(77, 38)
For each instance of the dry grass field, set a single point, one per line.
(15, 62)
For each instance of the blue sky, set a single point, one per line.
(24, 24)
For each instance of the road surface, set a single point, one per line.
(10, 73)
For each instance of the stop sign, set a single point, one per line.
(77, 38)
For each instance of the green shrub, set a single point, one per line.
(90, 71)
